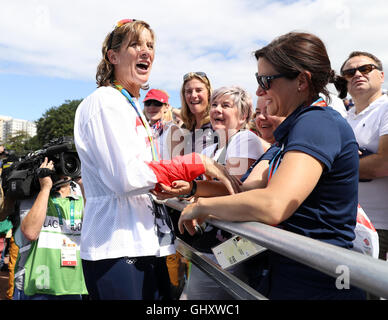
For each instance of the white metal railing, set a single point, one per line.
(364, 271)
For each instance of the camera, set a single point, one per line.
(20, 180)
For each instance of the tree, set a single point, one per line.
(32, 144)
(57, 122)
(17, 142)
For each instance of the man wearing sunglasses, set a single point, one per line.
(369, 120)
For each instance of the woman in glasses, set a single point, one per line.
(125, 238)
(195, 99)
(310, 186)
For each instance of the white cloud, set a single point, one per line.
(63, 38)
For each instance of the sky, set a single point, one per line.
(49, 50)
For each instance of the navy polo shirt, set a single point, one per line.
(329, 212)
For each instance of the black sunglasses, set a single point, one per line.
(265, 81)
(155, 103)
(364, 69)
(198, 73)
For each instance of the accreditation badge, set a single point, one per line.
(68, 253)
(235, 250)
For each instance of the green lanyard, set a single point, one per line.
(60, 214)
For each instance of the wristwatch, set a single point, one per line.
(192, 192)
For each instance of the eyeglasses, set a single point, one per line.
(155, 103)
(265, 81)
(118, 25)
(364, 69)
(198, 73)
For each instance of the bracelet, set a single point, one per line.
(192, 192)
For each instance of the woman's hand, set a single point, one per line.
(190, 217)
(178, 187)
(219, 172)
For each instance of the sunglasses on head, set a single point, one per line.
(198, 73)
(364, 69)
(155, 103)
(265, 81)
(118, 25)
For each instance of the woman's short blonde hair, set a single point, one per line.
(114, 40)
(186, 115)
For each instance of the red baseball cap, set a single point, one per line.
(158, 95)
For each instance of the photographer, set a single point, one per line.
(48, 265)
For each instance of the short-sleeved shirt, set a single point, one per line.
(268, 155)
(368, 126)
(244, 145)
(329, 212)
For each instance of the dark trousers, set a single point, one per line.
(289, 280)
(140, 278)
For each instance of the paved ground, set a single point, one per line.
(3, 282)
(3, 277)
(3, 285)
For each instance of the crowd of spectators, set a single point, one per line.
(294, 162)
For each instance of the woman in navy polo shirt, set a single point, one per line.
(312, 180)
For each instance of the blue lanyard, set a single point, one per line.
(272, 168)
(72, 223)
(154, 151)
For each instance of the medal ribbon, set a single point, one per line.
(154, 152)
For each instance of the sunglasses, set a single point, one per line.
(155, 103)
(198, 73)
(265, 81)
(118, 25)
(365, 69)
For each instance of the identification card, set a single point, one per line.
(235, 250)
(68, 253)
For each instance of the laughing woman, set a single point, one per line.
(312, 180)
(230, 111)
(124, 240)
(195, 99)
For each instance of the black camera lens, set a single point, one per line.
(70, 165)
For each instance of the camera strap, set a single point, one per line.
(126, 94)
(60, 213)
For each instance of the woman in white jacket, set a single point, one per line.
(123, 237)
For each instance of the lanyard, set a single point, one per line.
(274, 166)
(319, 103)
(60, 214)
(154, 152)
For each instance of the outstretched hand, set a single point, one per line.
(177, 188)
(219, 172)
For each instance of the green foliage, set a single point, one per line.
(17, 143)
(57, 122)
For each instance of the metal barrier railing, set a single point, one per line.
(364, 271)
